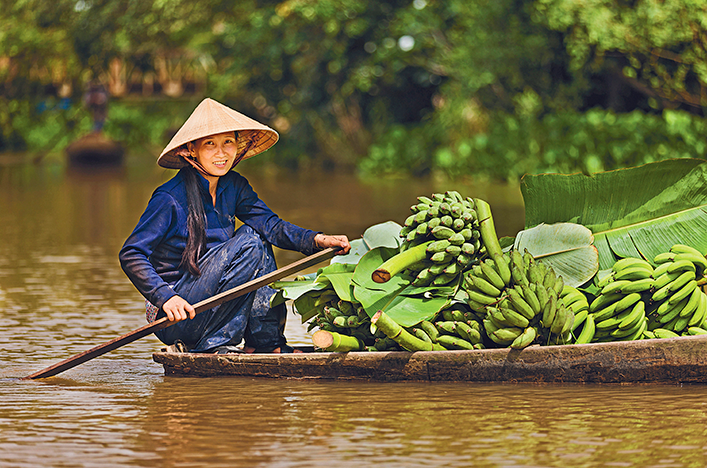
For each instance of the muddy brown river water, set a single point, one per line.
(62, 292)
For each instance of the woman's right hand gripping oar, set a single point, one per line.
(178, 309)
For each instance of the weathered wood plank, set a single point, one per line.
(674, 360)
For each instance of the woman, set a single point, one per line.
(185, 248)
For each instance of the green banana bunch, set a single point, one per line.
(618, 312)
(451, 223)
(336, 315)
(677, 302)
(576, 301)
(523, 309)
(455, 327)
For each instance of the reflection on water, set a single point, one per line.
(62, 292)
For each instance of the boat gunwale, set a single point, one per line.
(668, 360)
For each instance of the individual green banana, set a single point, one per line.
(442, 232)
(699, 260)
(638, 286)
(664, 333)
(661, 269)
(683, 292)
(453, 269)
(635, 273)
(692, 304)
(468, 249)
(476, 296)
(664, 257)
(668, 312)
(627, 301)
(549, 311)
(682, 248)
(525, 339)
(682, 265)
(604, 300)
(502, 267)
(550, 279)
(696, 331)
(638, 312)
(507, 334)
(535, 275)
(573, 296)
(604, 313)
(579, 318)
(561, 317)
(438, 246)
(456, 239)
(514, 318)
(543, 295)
(447, 327)
(631, 262)
(518, 275)
(531, 298)
(454, 342)
(701, 312)
(680, 324)
(588, 331)
(442, 257)
(520, 304)
(430, 329)
(578, 306)
(615, 287)
(421, 334)
(491, 274)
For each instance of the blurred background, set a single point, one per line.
(455, 88)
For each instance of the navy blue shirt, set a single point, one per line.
(151, 256)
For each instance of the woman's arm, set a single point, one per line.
(157, 223)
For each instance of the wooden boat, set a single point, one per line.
(95, 149)
(671, 361)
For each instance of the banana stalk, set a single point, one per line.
(399, 262)
(336, 342)
(401, 336)
(490, 239)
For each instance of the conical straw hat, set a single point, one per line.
(211, 117)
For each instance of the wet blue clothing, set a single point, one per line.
(152, 254)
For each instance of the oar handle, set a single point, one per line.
(206, 304)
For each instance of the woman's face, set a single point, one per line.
(215, 153)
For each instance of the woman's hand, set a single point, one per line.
(323, 241)
(178, 309)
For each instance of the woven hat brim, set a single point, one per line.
(210, 118)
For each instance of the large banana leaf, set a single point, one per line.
(407, 305)
(566, 247)
(634, 212)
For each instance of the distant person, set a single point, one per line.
(96, 99)
(185, 247)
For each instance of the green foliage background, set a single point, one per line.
(458, 87)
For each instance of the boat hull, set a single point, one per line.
(672, 360)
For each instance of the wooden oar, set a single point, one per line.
(206, 304)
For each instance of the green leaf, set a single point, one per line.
(566, 247)
(635, 212)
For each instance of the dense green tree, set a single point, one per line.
(498, 87)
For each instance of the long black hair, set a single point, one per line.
(196, 223)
